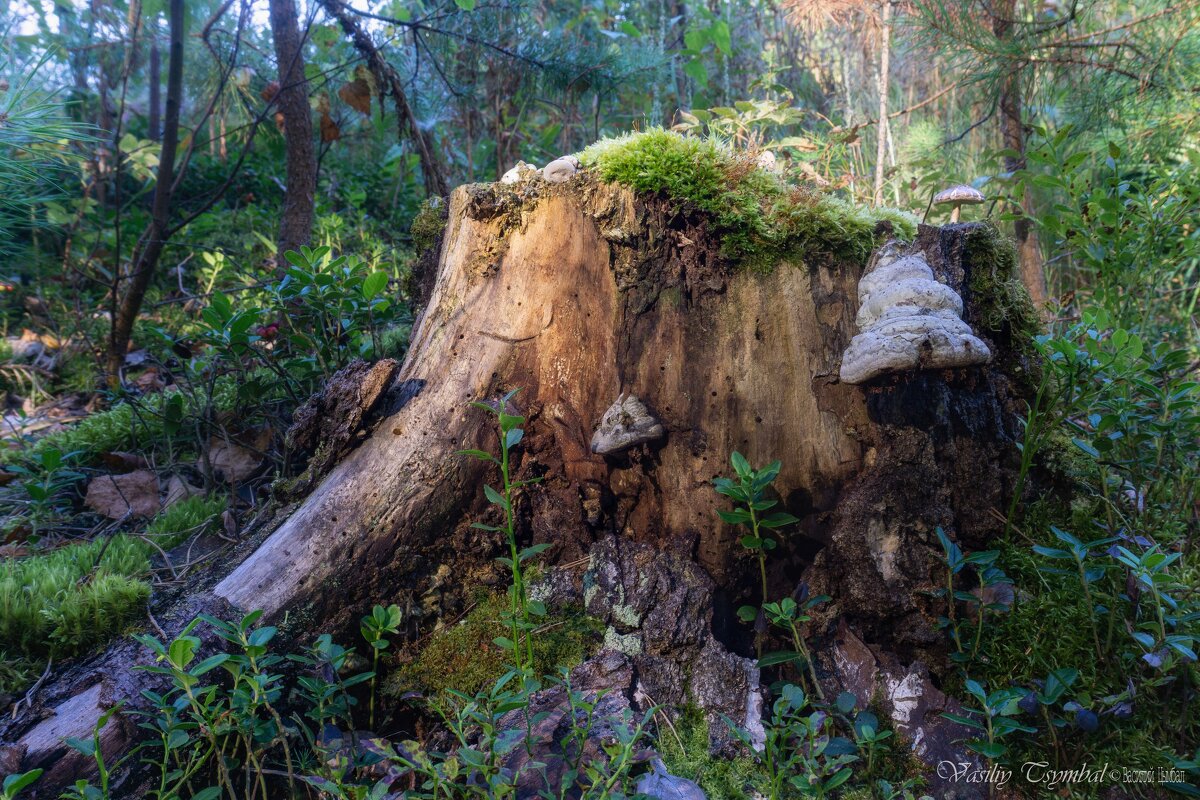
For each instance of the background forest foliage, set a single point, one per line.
(161, 316)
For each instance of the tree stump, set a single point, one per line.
(579, 294)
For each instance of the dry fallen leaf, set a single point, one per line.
(229, 523)
(231, 461)
(149, 382)
(330, 132)
(121, 461)
(13, 551)
(179, 489)
(119, 496)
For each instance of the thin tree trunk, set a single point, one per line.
(295, 227)
(885, 43)
(149, 248)
(1012, 134)
(155, 77)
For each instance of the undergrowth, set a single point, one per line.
(760, 219)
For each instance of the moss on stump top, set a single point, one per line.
(760, 218)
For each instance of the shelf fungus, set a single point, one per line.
(907, 321)
(626, 423)
(561, 170)
(520, 172)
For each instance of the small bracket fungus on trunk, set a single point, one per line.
(520, 172)
(561, 170)
(908, 321)
(626, 423)
(957, 197)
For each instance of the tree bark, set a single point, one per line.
(154, 78)
(295, 226)
(1012, 134)
(577, 294)
(150, 246)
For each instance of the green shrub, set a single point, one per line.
(760, 219)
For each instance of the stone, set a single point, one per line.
(658, 784)
(658, 606)
(907, 696)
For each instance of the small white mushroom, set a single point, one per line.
(958, 196)
(561, 170)
(767, 161)
(626, 423)
(520, 172)
(908, 321)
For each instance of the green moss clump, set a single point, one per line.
(428, 224)
(97, 433)
(190, 515)
(464, 657)
(62, 602)
(123, 427)
(998, 298)
(760, 219)
(684, 751)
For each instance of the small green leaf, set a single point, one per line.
(779, 657)
(373, 284)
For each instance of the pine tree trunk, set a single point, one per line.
(295, 226)
(576, 295)
(881, 128)
(1012, 134)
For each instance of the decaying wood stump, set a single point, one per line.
(580, 294)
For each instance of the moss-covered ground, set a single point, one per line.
(462, 655)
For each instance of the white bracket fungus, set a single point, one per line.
(520, 172)
(561, 170)
(626, 423)
(908, 320)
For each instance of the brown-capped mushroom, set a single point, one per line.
(957, 197)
